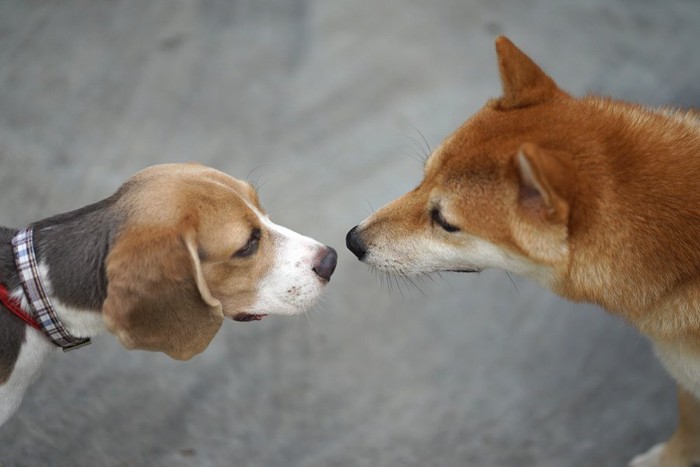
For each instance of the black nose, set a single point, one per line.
(324, 269)
(354, 243)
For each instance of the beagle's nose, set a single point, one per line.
(355, 244)
(324, 269)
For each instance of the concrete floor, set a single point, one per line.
(325, 104)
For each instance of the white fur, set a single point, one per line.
(682, 363)
(37, 347)
(26, 370)
(291, 286)
(651, 458)
(425, 255)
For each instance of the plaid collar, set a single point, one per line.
(39, 303)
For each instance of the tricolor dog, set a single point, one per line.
(596, 199)
(159, 264)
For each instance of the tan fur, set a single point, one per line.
(171, 280)
(597, 199)
(683, 448)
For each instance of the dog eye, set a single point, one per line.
(251, 246)
(436, 217)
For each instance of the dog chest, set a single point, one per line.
(682, 362)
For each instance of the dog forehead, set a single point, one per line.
(456, 164)
(166, 193)
(165, 175)
(481, 150)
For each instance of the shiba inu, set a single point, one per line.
(596, 199)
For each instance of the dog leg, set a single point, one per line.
(651, 458)
(683, 449)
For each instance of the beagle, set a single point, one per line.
(159, 264)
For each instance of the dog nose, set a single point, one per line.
(324, 269)
(354, 243)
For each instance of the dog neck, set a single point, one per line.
(70, 249)
(644, 219)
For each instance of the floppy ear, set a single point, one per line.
(524, 83)
(157, 296)
(545, 184)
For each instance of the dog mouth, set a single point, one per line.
(245, 317)
(463, 270)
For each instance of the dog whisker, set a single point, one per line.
(394, 278)
(413, 283)
(398, 285)
(308, 318)
(418, 144)
(371, 208)
(416, 157)
(255, 182)
(418, 153)
(430, 151)
(512, 281)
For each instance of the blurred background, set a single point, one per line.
(328, 106)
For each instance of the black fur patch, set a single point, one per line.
(12, 336)
(74, 245)
(12, 329)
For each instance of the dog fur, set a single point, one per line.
(594, 198)
(160, 264)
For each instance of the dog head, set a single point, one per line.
(496, 193)
(196, 247)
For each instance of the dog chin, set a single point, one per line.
(246, 317)
(297, 300)
(401, 268)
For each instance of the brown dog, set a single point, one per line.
(596, 199)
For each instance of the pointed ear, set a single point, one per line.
(524, 83)
(157, 296)
(545, 184)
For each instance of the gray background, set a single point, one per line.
(322, 103)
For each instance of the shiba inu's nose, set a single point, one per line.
(355, 244)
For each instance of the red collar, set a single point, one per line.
(16, 309)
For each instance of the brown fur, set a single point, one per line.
(597, 199)
(683, 449)
(171, 280)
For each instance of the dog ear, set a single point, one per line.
(524, 83)
(545, 184)
(157, 296)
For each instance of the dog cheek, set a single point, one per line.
(236, 288)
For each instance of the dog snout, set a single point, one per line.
(355, 243)
(326, 265)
